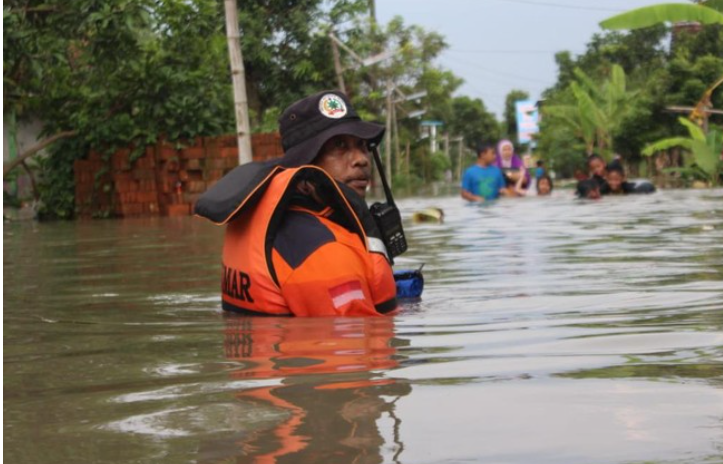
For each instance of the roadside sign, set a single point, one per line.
(527, 120)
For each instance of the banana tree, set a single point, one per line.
(598, 109)
(576, 116)
(707, 149)
(707, 12)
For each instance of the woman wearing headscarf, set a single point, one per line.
(510, 163)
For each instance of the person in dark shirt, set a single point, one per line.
(618, 184)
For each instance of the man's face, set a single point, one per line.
(488, 156)
(346, 159)
(615, 180)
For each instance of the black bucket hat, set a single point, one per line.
(307, 125)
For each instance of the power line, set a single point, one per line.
(508, 52)
(562, 5)
(497, 73)
(485, 95)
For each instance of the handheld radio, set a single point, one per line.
(387, 217)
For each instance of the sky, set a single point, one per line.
(500, 45)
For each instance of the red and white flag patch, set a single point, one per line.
(346, 293)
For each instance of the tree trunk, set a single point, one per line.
(252, 92)
(35, 149)
(36, 193)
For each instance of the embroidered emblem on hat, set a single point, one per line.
(332, 106)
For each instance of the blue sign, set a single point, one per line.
(431, 123)
(527, 120)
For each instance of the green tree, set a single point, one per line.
(663, 74)
(470, 119)
(562, 150)
(115, 73)
(597, 111)
(409, 69)
(286, 50)
(706, 149)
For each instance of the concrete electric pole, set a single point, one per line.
(238, 76)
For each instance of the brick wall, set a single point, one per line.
(164, 180)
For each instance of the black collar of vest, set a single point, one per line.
(242, 188)
(236, 191)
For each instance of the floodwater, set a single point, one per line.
(550, 331)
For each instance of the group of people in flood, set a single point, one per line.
(609, 179)
(500, 172)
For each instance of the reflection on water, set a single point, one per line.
(331, 388)
(551, 331)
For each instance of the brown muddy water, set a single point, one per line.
(550, 331)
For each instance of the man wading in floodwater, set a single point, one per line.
(300, 240)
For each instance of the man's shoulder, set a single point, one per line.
(471, 169)
(476, 169)
(490, 170)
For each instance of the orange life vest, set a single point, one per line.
(343, 275)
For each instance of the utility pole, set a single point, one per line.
(337, 63)
(406, 155)
(238, 76)
(397, 149)
(433, 139)
(388, 140)
(459, 164)
(700, 113)
(460, 147)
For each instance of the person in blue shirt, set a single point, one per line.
(483, 181)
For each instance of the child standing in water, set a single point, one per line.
(483, 181)
(542, 187)
(598, 171)
(588, 189)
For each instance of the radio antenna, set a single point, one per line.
(385, 184)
